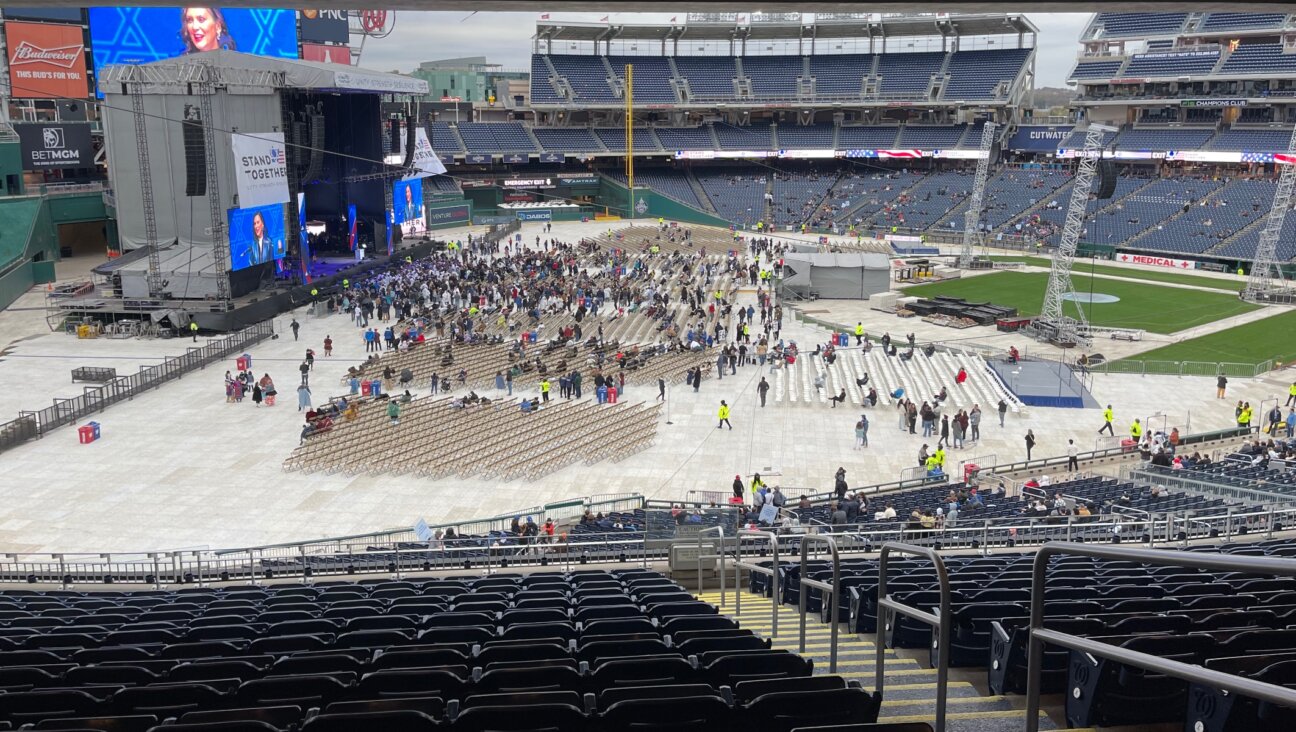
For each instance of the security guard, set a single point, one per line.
(859, 333)
(1107, 423)
(1136, 430)
(193, 329)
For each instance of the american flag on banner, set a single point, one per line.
(1257, 157)
(899, 153)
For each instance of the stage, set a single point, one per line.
(1044, 384)
(327, 274)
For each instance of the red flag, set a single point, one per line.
(544, 16)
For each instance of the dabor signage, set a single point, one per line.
(46, 61)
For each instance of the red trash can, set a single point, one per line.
(86, 434)
(1128, 445)
(243, 363)
(365, 387)
(612, 395)
(969, 472)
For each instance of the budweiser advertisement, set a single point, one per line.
(327, 54)
(1155, 262)
(46, 61)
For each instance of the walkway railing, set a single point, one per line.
(95, 399)
(771, 571)
(831, 591)
(940, 622)
(1039, 635)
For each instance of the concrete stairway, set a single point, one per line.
(910, 687)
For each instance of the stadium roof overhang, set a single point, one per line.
(743, 27)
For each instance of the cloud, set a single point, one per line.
(505, 38)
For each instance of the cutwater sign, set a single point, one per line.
(1039, 138)
(543, 214)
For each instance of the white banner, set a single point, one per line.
(260, 168)
(426, 161)
(1144, 260)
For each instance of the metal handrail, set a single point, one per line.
(772, 571)
(1039, 635)
(833, 588)
(718, 555)
(939, 623)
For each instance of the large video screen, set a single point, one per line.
(256, 235)
(121, 35)
(407, 205)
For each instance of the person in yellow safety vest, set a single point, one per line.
(859, 333)
(1291, 395)
(723, 414)
(193, 329)
(1136, 430)
(544, 390)
(894, 229)
(1108, 414)
(472, 310)
(314, 292)
(1244, 418)
(940, 457)
(501, 320)
(803, 227)
(932, 464)
(1240, 272)
(661, 221)
(747, 332)
(655, 249)
(719, 294)
(409, 259)
(346, 284)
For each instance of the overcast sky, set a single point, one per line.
(505, 38)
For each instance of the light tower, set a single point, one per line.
(1053, 324)
(1266, 283)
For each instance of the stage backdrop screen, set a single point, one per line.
(407, 205)
(121, 35)
(256, 236)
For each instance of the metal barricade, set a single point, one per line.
(833, 588)
(939, 623)
(1039, 635)
(718, 555)
(772, 571)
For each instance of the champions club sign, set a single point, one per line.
(261, 168)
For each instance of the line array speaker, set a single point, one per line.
(195, 153)
(1106, 179)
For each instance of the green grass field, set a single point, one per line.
(1178, 278)
(1250, 343)
(1146, 306)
